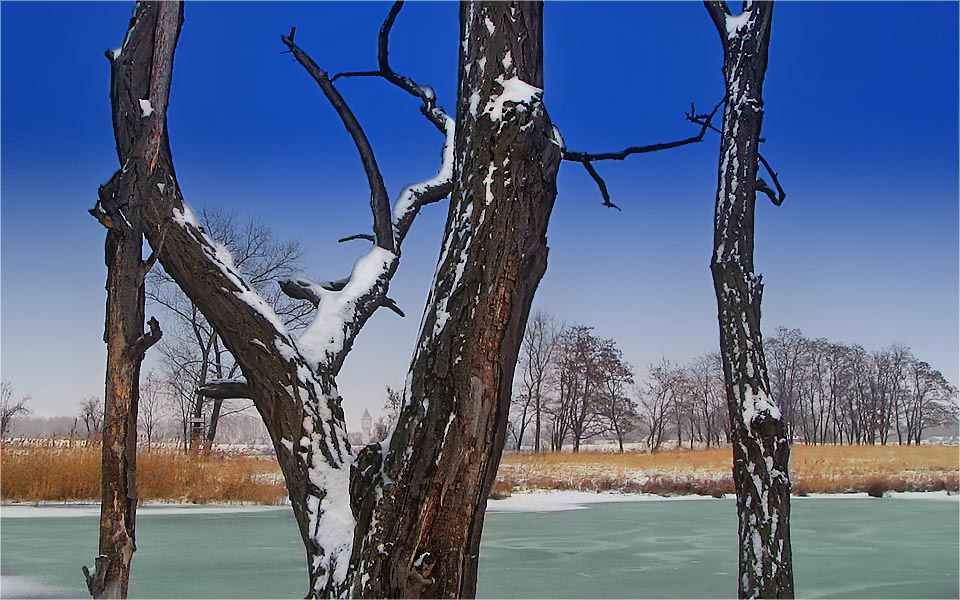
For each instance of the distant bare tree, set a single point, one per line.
(705, 377)
(657, 399)
(91, 413)
(152, 406)
(10, 410)
(617, 409)
(391, 411)
(579, 377)
(537, 357)
(190, 343)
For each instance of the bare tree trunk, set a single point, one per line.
(760, 447)
(494, 254)
(151, 38)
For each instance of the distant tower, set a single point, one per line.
(366, 426)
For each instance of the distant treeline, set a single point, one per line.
(572, 386)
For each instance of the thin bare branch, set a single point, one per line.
(426, 94)
(379, 201)
(600, 184)
(592, 156)
(225, 389)
(776, 197)
(392, 305)
(359, 236)
(154, 255)
(356, 74)
(587, 158)
(780, 195)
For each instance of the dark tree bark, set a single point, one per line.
(419, 534)
(760, 447)
(150, 41)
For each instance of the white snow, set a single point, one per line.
(16, 586)
(515, 90)
(115, 53)
(146, 109)
(411, 193)
(474, 102)
(734, 23)
(941, 496)
(326, 335)
(553, 501)
(185, 217)
(558, 139)
(757, 403)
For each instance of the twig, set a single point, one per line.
(600, 183)
(359, 236)
(429, 109)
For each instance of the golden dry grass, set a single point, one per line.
(38, 474)
(41, 474)
(813, 469)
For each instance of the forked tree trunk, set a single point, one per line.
(403, 520)
(760, 448)
(120, 210)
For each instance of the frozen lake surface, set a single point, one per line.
(843, 548)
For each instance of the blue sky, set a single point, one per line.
(861, 121)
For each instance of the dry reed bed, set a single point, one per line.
(813, 469)
(64, 474)
(51, 474)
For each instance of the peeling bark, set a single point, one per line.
(760, 446)
(151, 36)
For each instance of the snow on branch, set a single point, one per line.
(344, 306)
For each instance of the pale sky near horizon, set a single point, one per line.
(862, 126)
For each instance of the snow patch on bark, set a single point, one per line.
(515, 90)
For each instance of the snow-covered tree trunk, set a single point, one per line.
(149, 42)
(421, 516)
(760, 447)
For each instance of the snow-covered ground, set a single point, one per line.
(550, 501)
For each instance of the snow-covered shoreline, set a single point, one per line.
(551, 501)
(534, 501)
